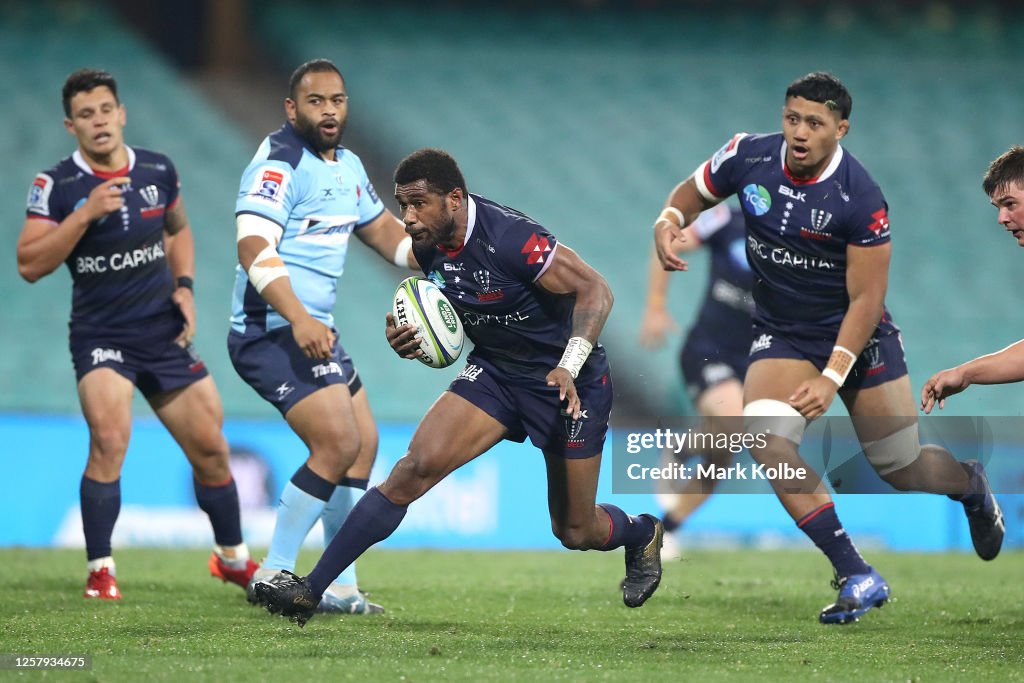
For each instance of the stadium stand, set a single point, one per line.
(585, 119)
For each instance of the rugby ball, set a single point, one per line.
(419, 302)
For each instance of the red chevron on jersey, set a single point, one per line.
(535, 249)
(881, 221)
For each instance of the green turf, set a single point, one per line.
(525, 616)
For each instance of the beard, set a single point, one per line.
(312, 133)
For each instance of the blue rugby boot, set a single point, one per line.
(348, 600)
(857, 594)
(985, 518)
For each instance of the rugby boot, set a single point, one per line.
(857, 594)
(219, 568)
(643, 567)
(289, 595)
(985, 519)
(102, 584)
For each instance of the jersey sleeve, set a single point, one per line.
(526, 250)
(369, 204)
(868, 224)
(268, 189)
(43, 202)
(718, 177)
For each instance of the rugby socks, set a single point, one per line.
(670, 523)
(220, 503)
(372, 519)
(100, 503)
(822, 526)
(301, 503)
(975, 495)
(345, 496)
(626, 530)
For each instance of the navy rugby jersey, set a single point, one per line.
(725, 313)
(514, 323)
(798, 230)
(119, 268)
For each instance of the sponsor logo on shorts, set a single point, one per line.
(762, 343)
(573, 429)
(470, 373)
(324, 369)
(106, 356)
(284, 390)
(873, 355)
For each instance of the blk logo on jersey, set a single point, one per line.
(536, 249)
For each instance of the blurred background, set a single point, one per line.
(584, 115)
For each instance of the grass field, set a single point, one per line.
(525, 616)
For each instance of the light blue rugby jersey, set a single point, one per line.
(319, 204)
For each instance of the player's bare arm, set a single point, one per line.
(42, 247)
(569, 274)
(1000, 367)
(181, 257)
(259, 258)
(867, 278)
(386, 235)
(657, 321)
(684, 204)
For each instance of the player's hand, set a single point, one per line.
(813, 397)
(107, 197)
(182, 298)
(560, 377)
(405, 340)
(657, 323)
(314, 338)
(941, 386)
(667, 237)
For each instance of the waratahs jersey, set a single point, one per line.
(724, 317)
(798, 230)
(318, 204)
(491, 280)
(119, 268)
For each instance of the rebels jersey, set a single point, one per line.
(725, 314)
(318, 204)
(514, 323)
(118, 268)
(798, 230)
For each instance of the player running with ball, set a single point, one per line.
(533, 309)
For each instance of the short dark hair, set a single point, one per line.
(86, 80)
(436, 166)
(312, 66)
(1005, 170)
(823, 87)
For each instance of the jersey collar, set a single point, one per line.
(81, 163)
(470, 223)
(837, 158)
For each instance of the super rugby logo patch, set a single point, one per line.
(39, 195)
(269, 185)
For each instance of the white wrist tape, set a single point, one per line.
(265, 268)
(839, 364)
(672, 211)
(576, 353)
(402, 252)
(251, 225)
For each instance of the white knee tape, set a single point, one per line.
(895, 451)
(768, 416)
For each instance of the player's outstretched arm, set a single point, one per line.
(683, 206)
(43, 247)
(1000, 367)
(657, 321)
(386, 235)
(569, 274)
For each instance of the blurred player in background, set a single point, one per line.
(301, 199)
(114, 215)
(533, 309)
(818, 243)
(1004, 185)
(714, 356)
